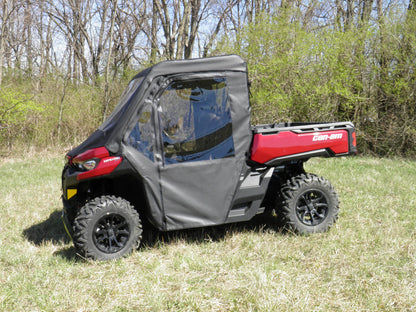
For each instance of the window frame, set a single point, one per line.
(159, 123)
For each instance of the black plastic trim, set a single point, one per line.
(249, 196)
(301, 156)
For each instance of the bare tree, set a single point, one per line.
(72, 18)
(45, 33)
(109, 56)
(7, 8)
(153, 34)
(180, 21)
(221, 20)
(366, 9)
(97, 51)
(131, 22)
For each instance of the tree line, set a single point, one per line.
(64, 63)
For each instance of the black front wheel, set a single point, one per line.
(308, 204)
(106, 228)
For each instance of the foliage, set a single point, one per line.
(18, 115)
(53, 112)
(364, 74)
(302, 68)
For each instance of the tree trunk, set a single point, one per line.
(412, 5)
(107, 67)
(153, 35)
(350, 15)
(97, 54)
(195, 19)
(3, 33)
(27, 27)
(366, 11)
(183, 29)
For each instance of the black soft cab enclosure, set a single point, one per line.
(183, 127)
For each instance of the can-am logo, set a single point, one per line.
(111, 159)
(325, 137)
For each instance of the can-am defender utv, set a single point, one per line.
(180, 152)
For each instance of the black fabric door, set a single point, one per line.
(199, 171)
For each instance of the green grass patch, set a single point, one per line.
(366, 262)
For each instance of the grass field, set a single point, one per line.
(366, 262)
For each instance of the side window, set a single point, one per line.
(142, 137)
(195, 120)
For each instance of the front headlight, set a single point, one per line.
(95, 162)
(86, 165)
(90, 164)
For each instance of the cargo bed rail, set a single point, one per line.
(300, 127)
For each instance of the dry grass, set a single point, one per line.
(367, 262)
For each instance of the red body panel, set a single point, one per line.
(106, 163)
(270, 146)
(99, 152)
(105, 166)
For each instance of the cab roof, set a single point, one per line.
(200, 65)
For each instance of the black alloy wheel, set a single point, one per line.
(307, 204)
(107, 228)
(312, 207)
(111, 233)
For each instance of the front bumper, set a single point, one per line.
(69, 183)
(69, 198)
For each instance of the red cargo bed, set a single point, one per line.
(277, 143)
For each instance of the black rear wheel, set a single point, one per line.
(308, 204)
(107, 227)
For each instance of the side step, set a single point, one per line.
(250, 195)
(240, 212)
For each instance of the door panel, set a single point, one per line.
(199, 173)
(198, 193)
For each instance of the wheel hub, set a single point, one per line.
(111, 233)
(312, 207)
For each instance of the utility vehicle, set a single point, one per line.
(179, 152)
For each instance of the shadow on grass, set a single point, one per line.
(52, 231)
(260, 223)
(68, 254)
